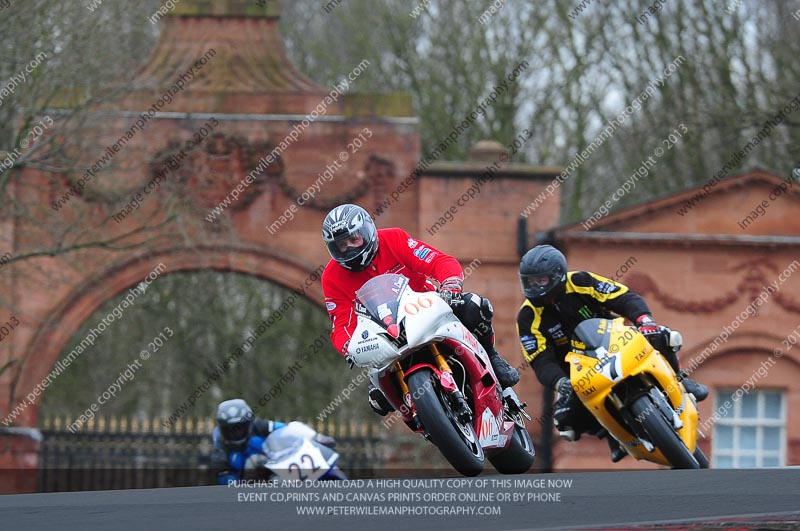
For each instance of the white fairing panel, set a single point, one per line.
(370, 346)
(422, 314)
(299, 429)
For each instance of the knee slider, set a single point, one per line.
(487, 310)
(482, 313)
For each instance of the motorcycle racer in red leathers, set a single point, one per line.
(360, 251)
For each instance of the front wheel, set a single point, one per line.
(662, 435)
(518, 457)
(456, 440)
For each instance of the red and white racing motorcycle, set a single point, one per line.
(438, 377)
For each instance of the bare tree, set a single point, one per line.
(60, 64)
(450, 57)
(588, 62)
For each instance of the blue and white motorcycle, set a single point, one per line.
(299, 453)
(293, 451)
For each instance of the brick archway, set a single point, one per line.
(224, 200)
(226, 205)
(84, 300)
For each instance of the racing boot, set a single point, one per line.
(378, 401)
(507, 376)
(699, 390)
(617, 451)
(564, 410)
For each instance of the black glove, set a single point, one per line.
(566, 400)
(450, 291)
(657, 335)
(351, 360)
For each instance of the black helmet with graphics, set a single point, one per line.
(235, 418)
(351, 236)
(543, 274)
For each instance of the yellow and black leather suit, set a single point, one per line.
(545, 331)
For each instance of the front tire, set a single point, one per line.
(662, 435)
(518, 457)
(457, 441)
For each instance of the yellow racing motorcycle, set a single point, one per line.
(634, 393)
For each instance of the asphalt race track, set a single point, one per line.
(763, 499)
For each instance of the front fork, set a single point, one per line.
(659, 401)
(446, 380)
(400, 377)
(462, 410)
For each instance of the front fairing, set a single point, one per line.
(394, 320)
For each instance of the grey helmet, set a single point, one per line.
(235, 419)
(343, 222)
(543, 261)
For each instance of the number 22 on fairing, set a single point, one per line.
(308, 465)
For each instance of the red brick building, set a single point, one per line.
(720, 265)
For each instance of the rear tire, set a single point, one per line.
(518, 457)
(662, 435)
(457, 442)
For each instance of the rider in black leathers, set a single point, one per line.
(556, 301)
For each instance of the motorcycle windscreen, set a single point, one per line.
(593, 334)
(380, 297)
(280, 445)
(288, 454)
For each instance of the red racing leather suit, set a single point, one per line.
(397, 253)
